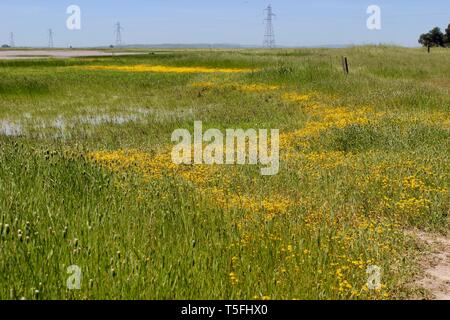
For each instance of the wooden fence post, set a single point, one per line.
(345, 65)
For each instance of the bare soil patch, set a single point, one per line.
(436, 265)
(32, 54)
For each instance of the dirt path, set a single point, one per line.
(436, 264)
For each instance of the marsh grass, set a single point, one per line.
(364, 157)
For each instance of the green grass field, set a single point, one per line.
(86, 180)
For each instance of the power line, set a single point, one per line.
(118, 32)
(269, 36)
(50, 38)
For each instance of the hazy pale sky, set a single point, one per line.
(298, 22)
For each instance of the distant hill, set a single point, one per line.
(218, 46)
(188, 45)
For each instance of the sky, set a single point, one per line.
(297, 22)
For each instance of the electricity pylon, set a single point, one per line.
(269, 36)
(118, 32)
(50, 38)
(12, 44)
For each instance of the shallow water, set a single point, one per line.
(63, 125)
(8, 128)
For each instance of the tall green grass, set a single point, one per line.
(168, 238)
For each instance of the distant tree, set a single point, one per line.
(425, 40)
(434, 38)
(447, 36)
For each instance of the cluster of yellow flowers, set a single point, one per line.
(134, 160)
(412, 206)
(168, 69)
(233, 278)
(258, 87)
(323, 117)
(414, 183)
(409, 195)
(441, 119)
(237, 86)
(214, 183)
(343, 283)
(327, 159)
(295, 97)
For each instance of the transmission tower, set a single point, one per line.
(11, 40)
(50, 38)
(118, 32)
(269, 36)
